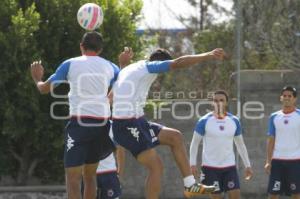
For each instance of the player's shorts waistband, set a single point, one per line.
(127, 118)
(286, 160)
(79, 117)
(225, 167)
(107, 171)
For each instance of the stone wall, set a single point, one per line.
(260, 90)
(264, 87)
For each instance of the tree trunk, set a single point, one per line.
(26, 166)
(201, 15)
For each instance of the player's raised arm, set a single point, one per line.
(37, 73)
(125, 57)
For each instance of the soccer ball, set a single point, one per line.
(90, 16)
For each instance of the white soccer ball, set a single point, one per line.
(90, 16)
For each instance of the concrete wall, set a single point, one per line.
(263, 87)
(259, 86)
(33, 192)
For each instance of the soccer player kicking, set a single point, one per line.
(219, 130)
(283, 148)
(133, 132)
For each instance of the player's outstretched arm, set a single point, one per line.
(37, 73)
(190, 60)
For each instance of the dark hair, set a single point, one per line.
(92, 41)
(290, 88)
(160, 55)
(222, 92)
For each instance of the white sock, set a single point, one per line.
(189, 181)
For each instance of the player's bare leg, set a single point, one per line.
(272, 196)
(215, 196)
(295, 196)
(153, 163)
(89, 180)
(73, 182)
(174, 139)
(234, 194)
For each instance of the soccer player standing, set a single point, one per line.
(219, 130)
(283, 147)
(87, 132)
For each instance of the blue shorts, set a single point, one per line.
(284, 177)
(136, 135)
(109, 186)
(86, 144)
(224, 179)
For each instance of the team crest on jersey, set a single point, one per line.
(293, 186)
(286, 121)
(276, 186)
(110, 193)
(230, 184)
(222, 128)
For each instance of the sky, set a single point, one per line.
(161, 13)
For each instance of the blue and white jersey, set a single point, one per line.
(107, 165)
(286, 130)
(89, 78)
(132, 86)
(218, 135)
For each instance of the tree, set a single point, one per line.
(206, 76)
(204, 15)
(271, 33)
(201, 35)
(46, 30)
(270, 40)
(20, 102)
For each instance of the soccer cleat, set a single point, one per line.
(198, 189)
